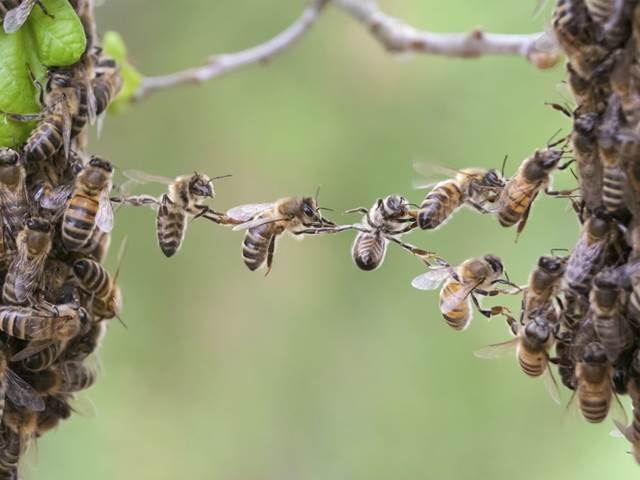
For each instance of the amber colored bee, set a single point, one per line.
(543, 286)
(267, 221)
(532, 344)
(14, 200)
(107, 296)
(475, 276)
(89, 207)
(57, 408)
(66, 377)
(25, 272)
(585, 149)
(19, 392)
(478, 188)
(613, 175)
(593, 383)
(518, 195)
(386, 221)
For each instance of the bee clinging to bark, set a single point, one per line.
(25, 272)
(265, 222)
(532, 343)
(475, 276)
(387, 220)
(183, 201)
(478, 188)
(532, 177)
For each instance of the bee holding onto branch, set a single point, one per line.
(475, 276)
(265, 222)
(386, 221)
(478, 188)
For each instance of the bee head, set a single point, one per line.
(37, 224)
(59, 78)
(101, 163)
(594, 353)
(551, 264)
(493, 179)
(201, 186)
(494, 263)
(394, 205)
(8, 157)
(538, 328)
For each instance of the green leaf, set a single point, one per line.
(40, 43)
(114, 46)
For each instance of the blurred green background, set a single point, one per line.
(321, 371)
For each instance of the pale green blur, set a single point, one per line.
(321, 371)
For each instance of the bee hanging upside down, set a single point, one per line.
(475, 276)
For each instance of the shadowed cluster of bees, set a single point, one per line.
(580, 310)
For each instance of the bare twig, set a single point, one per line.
(393, 34)
(397, 36)
(219, 65)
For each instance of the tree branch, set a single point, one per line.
(219, 65)
(395, 35)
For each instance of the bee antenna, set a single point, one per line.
(327, 209)
(122, 322)
(317, 194)
(504, 164)
(219, 177)
(553, 250)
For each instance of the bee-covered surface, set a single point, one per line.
(321, 371)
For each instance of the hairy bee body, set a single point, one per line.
(27, 323)
(594, 391)
(79, 221)
(458, 317)
(259, 244)
(369, 250)
(565, 360)
(535, 342)
(94, 278)
(544, 283)
(25, 271)
(77, 376)
(473, 186)
(610, 325)
(106, 84)
(14, 200)
(532, 176)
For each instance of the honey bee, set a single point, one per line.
(19, 392)
(478, 188)
(544, 283)
(84, 345)
(564, 358)
(533, 342)
(387, 220)
(57, 408)
(16, 12)
(606, 303)
(107, 82)
(14, 200)
(521, 190)
(593, 383)
(42, 327)
(23, 423)
(474, 276)
(183, 201)
(613, 178)
(632, 432)
(266, 221)
(60, 99)
(89, 207)
(25, 272)
(10, 452)
(588, 253)
(585, 149)
(94, 278)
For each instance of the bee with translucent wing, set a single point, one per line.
(15, 15)
(475, 276)
(532, 343)
(265, 222)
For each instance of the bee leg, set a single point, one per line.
(272, 247)
(23, 117)
(203, 209)
(479, 208)
(44, 9)
(418, 252)
(525, 216)
(362, 210)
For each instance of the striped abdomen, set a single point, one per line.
(10, 450)
(44, 358)
(439, 204)
(23, 323)
(93, 277)
(171, 225)
(613, 334)
(369, 250)
(532, 363)
(79, 221)
(459, 316)
(255, 247)
(28, 277)
(45, 140)
(81, 117)
(77, 376)
(105, 88)
(515, 199)
(594, 400)
(613, 184)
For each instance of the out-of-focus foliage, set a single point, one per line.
(321, 371)
(115, 47)
(40, 43)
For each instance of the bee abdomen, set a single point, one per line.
(439, 204)
(10, 450)
(514, 207)
(458, 317)
(78, 223)
(93, 277)
(170, 227)
(255, 246)
(594, 409)
(369, 250)
(78, 376)
(44, 141)
(611, 334)
(43, 359)
(532, 365)
(613, 188)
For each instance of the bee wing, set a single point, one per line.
(582, 259)
(31, 349)
(16, 17)
(142, 177)
(497, 349)
(244, 213)
(91, 103)
(57, 197)
(551, 384)
(22, 394)
(66, 127)
(617, 411)
(432, 279)
(104, 216)
(257, 222)
(453, 301)
(28, 277)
